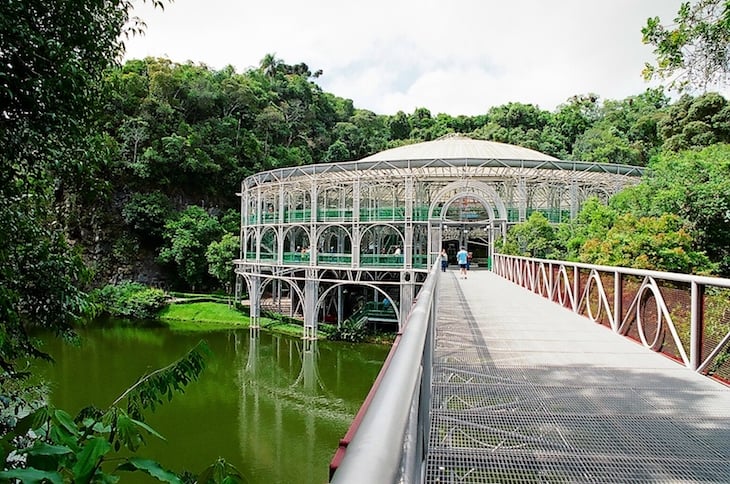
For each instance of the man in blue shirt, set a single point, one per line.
(462, 257)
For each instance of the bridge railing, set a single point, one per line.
(388, 439)
(686, 317)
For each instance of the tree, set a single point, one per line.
(695, 122)
(604, 144)
(220, 255)
(695, 186)
(145, 213)
(399, 126)
(694, 51)
(594, 221)
(187, 237)
(52, 58)
(660, 243)
(337, 151)
(533, 238)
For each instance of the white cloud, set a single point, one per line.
(457, 57)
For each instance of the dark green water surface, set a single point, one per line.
(273, 406)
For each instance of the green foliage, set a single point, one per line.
(49, 70)
(220, 255)
(221, 472)
(657, 243)
(187, 237)
(153, 389)
(146, 213)
(695, 186)
(130, 300)
(594, 221)
(694, 123)
(533, 238)
(231, 221)
(351, 330)
(40, 276)
(337, 151)
(58, 448)
(606, 235)
(693, 51)
(626, 131)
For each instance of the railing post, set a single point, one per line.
(576, 288)
(696, 325)
(618, 290)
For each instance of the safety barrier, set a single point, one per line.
(685, 317)
(387, 441)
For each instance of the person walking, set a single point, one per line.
(444, 260)
(462, 257)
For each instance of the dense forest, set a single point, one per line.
(153, 198)
(175, 141)
(114, 173)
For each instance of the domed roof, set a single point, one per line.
(456, 156)
(459, 147)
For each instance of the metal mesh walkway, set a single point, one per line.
(526, 391)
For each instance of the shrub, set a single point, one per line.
(350, 330)
(130, 300)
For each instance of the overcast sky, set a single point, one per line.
(454, 57)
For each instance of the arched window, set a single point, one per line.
(296, 245)
(268, 244)
(381, 245)
(334, 246)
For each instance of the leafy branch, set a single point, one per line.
(50, 446)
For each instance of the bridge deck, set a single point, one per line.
(526, 391)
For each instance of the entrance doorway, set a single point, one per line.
(467, 223)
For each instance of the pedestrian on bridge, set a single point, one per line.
(444, 260)
(462, 257)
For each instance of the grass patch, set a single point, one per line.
(215, 316)
(211, 316)
(202, 316)
(276, 326)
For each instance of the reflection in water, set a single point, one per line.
(273, 406)
(290, 406)
(308, 376)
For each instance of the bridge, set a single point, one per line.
(551, 372)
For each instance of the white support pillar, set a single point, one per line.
(243, 231)
(254, 296)
(407, 293)
(311, 294)
(340, 305)
(522, 199)
(313, 236)
(574, 199)
(355, 224)
(434, 239)
(408, 228)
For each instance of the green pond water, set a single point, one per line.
(273, 406)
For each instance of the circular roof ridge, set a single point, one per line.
(457, 146)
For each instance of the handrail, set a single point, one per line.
(683, 316)
(397, 411)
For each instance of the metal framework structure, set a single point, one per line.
(322, 240)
